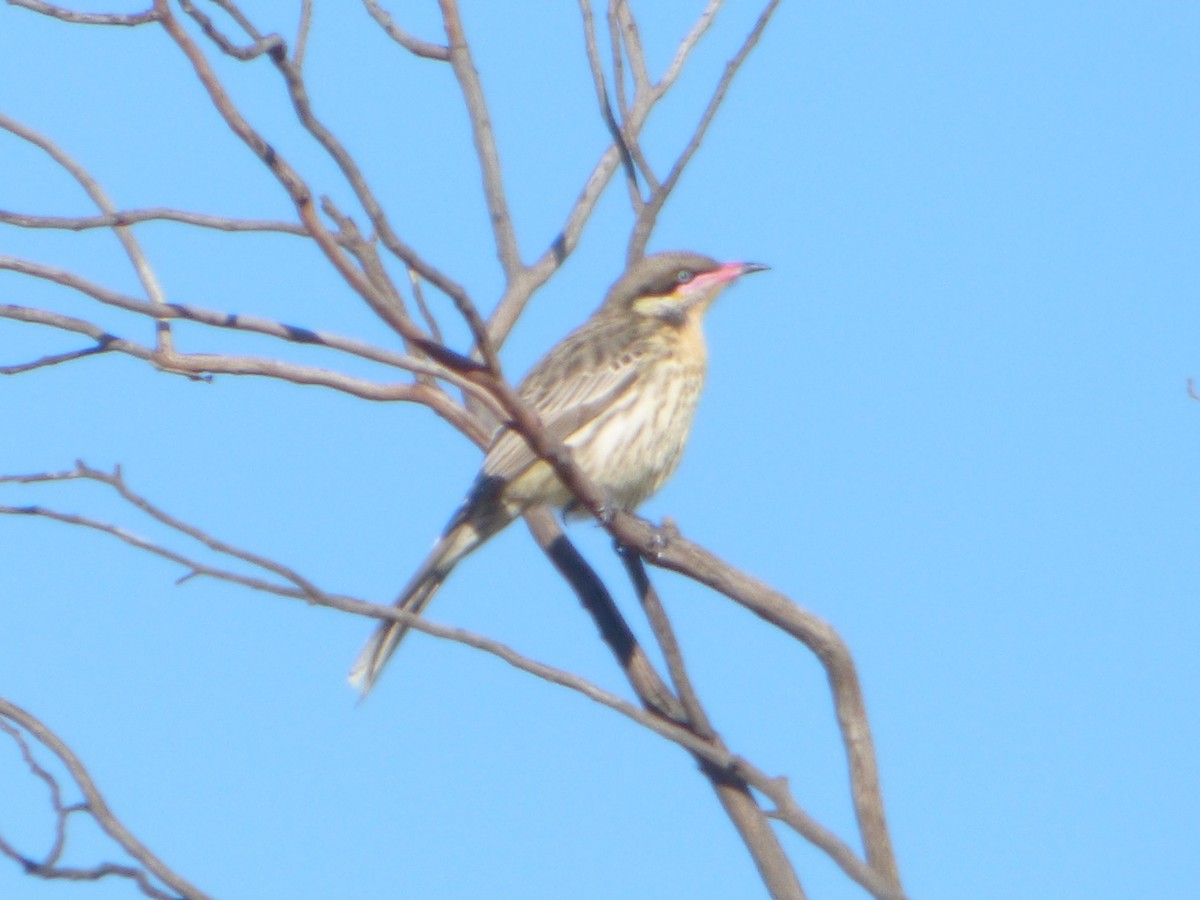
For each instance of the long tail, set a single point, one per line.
(466, 531)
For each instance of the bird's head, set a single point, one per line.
(674, 286)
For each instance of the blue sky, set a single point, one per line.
(952, 421)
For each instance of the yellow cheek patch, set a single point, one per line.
(669, 307)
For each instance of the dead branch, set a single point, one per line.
(676, 715)
(94, 805)
(723, 763)
(93, 189)
(79, 18)
(413, 45)
(135, 216)
(648, 216)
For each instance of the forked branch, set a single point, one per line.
(16, 723)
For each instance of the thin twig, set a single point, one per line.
(484, 138)
(633, 47)
(199, 365)
(353, 174)
(98, 195)
(81, 18)
(615, 45)
(606, 112)
(733, 791)
(716, 756)
(219, 319)
(431, 322)
(414, 45)
(639, 671)
(302, 32)
(519, 291)
(664, 634)
(648, 217)
(260, 44)
(98, 808)
(698, 30)
(134, 216)
(54, 359)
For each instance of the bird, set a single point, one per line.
(620, 392)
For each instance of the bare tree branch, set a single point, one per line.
(254, 50)
(690, 40)
(680, 555)
(606, 112)
(519, 290)
(676, 715)
(648, 217)
(732, 790)
(125, 235)
(200, 366)
(664, 634)
(302, 31)
(413, 45)
(97, 807)
(44, 362)
(79, 18)
(485, 140)
(712, 754)
(135, 216)
(221, 319)
(616, 54)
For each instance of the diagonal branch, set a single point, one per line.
(732, 790)
(681, 555)
(606, 111)
(97, 806)
(485, 139)
(648, 217)
(125, 235)
(519, 291)
(54, 359)
(413, 45)
(713, 755)
(670, 550)
(296, 188)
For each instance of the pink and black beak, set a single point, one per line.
(724, 274)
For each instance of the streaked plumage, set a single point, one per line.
(620, 391)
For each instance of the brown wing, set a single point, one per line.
(569, 387)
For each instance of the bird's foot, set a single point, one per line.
(666, 531)
(607, 511)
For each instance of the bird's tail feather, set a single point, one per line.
(460, 539)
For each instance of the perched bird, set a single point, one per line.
(620, 391)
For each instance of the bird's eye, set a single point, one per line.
(685, 276)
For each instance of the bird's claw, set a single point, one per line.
(606, 511)
(662, 537)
